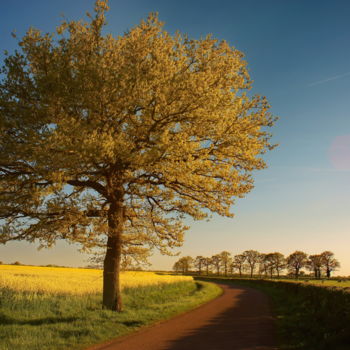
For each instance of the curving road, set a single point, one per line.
(240, 319)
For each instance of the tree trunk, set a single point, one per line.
(111, 282)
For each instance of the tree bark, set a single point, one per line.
(111, 280)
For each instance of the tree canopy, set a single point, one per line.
(296, 261)
(111, 141)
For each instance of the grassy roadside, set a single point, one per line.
(33, 321)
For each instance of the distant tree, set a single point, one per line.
(184, 264)
(207, 264)
(329, 263)
(178, 267)
(267, 264)
(252, 258)
(126, 263)
(133, 257)
(225, 258)
(189, 263)
(16, 263)
(199, 263)
(1, 262)
(232, 268)
(216, 262)
(238, 263)
(296, 261)
(314, 264)
(273, 262)
(279, 262)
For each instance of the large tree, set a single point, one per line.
(103, 136)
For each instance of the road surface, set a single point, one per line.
(240, 319)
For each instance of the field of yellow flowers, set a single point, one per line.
(53, 308)
(73, 281)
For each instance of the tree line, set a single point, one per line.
(252, 262)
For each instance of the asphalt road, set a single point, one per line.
(240, 319)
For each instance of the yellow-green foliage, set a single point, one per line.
(74, 281)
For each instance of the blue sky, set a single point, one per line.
(298, 54)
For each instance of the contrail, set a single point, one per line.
(329, 79)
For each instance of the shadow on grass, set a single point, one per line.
(6, 320)
(74, 333)
(132, 323)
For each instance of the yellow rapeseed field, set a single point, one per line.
(56, 280)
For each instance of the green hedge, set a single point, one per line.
(309, 317)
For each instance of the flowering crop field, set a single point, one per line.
(73, 281)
